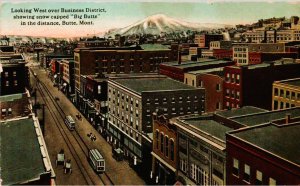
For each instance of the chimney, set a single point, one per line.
(179, 56)
(287, 118)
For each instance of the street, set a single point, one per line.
(118, 172)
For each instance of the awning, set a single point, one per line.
(163, 162)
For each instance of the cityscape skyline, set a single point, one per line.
(117, 16)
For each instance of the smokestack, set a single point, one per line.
(179, 56)
(287, 118)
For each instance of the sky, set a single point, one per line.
(123, 13)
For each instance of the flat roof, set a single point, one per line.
(281, 141)
(211, 70)
(144, 84)
(10, 97)
(21, 157)
(187, 64)
(240, 111)
(293, 82)
(155, 47)
(266, 117)
(209, 126)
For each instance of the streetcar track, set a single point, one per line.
(76, 135)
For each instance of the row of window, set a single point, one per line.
(6, 112)
(232, 78)
(286, 94)
(233, 94)
(165, 145)
(282, 105)
(173, 99)
(125, 128)
(14, 84)
(247, 173)
(6, 74)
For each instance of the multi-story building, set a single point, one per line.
(25, 159)
(259, 57)
(14, 77)
(68, 77)
(206, 53)
(286, 94)
(14, 105)
(164, 150)
(252, 85)
(131, 102)
(220, 45)
(48, 57)
(203, 40)
(94, 43)
(212, 81)
(176, 70)
(265, 154)
(222, 54)
(241, 50)
(118, 60)
(201, 145)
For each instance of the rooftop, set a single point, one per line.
(276, 140)
(143, 84)
(202, 62)
(292, 82)
(155, 47)
(241, 111)
(206, 71)
(10, 97)
(266, 117)
(209, 126)
(21, 156)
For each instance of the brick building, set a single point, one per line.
(241, 50)
(252, 85)
(164, 150)
(176, 69)
(131, 102)
(286, 94)
(68, 77)
(264, 154)
(212, 81)
(203, 40)
(14, 77)
(222, 54)
(118, 60)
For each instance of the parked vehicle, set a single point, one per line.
(96, 160)
(67, 167)
(118, 154)
(70, 122)
(60, 158)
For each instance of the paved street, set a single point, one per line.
(119, 172)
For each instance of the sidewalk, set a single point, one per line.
(119, 172)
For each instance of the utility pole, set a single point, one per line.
(43, 121)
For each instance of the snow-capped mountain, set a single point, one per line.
(159, 23)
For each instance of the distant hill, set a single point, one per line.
(159, 23)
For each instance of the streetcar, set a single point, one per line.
(70, 122)
(96, 160)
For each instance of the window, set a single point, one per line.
(275, 91)
(227, 79)
(238, 79)
(172, 149)
(7, 83)
(193, 82)
(272, 181)
(227, 92)
(218, 106)
(218, 87)
(199, 175)
(201, 83)
(14, 73)
(232, 78)
(237, 95)
(247, 173)
(183, 165)
(162, 142)
(258, 180)
(166, 146)
(235, 169)
(16, 82)
(99, 89)
(6, 74)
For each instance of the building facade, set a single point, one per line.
(286, 94)
(252, 85)
(263, 155)
(164, 149)
(203, 40)
(131, 102)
